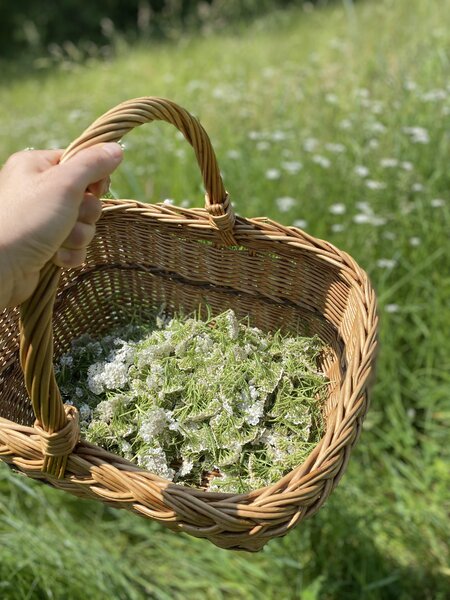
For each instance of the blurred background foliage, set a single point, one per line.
(88, 28)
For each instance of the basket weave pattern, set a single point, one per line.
(151, 255)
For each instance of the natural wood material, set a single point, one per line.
(148, 255)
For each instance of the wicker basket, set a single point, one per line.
(148, 255)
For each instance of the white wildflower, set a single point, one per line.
(322, 161)
(255, 135)
(204, 342)
(417, 187)
(126, 448)
(155, 461)
(335, 148)
(389, 163)
(254, 394)
(375, 185)
(361, 171)
(253, 413)
(273, 174)
(338, 227)
(437, 202)
(392, 308)
(415, 241)
(262, 145)
(345, 124)
(105, 410)
(365, 207)
(155, 422)
(185, 468)
(377, 127)
(310, 144)
(331, 98)
(227, 406)
(434, 95)
(292, 166)
(79, 392)
(377, 221)
(95, 378)
(285, 203)
(376, 107)
(114, 375)
(418, 135)
(278, 135)
(66, 360)
(406, 165)
(362, 93)
(386, 263)
(337, 209)
(362, 218)
(300, 223)
(85, 412)
(410, 85)
(234, 154)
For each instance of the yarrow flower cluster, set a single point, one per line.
(216, 404)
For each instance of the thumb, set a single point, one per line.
(91, 165)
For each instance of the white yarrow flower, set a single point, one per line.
(292, 166)
(337, 209)
(273, 174)
(361, 170)
(335, 148)
(155, 422)
(300, 223)
(389, 163)
(322, 161)
(285, 203)
(310, 144)
(375, 185)
(386, 263)
(418, 135)
(392, 308)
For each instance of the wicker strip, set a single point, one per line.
(147, 255)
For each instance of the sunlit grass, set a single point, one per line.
(322, 109)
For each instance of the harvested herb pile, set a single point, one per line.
(211, 403)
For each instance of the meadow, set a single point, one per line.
(335, 120)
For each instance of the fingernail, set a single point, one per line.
(113, 150)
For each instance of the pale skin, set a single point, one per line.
(48, 212)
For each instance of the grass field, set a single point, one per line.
(336, 120)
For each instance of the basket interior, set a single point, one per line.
(136, 264)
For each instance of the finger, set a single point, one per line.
(100, 188)
(81, 236)
(90, 209)
(69, 259)
(91, 165)
(33, 160)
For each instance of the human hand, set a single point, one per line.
(48, 212)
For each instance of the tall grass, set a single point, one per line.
(345, 110)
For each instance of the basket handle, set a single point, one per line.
(118, 121)
(57, 424)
